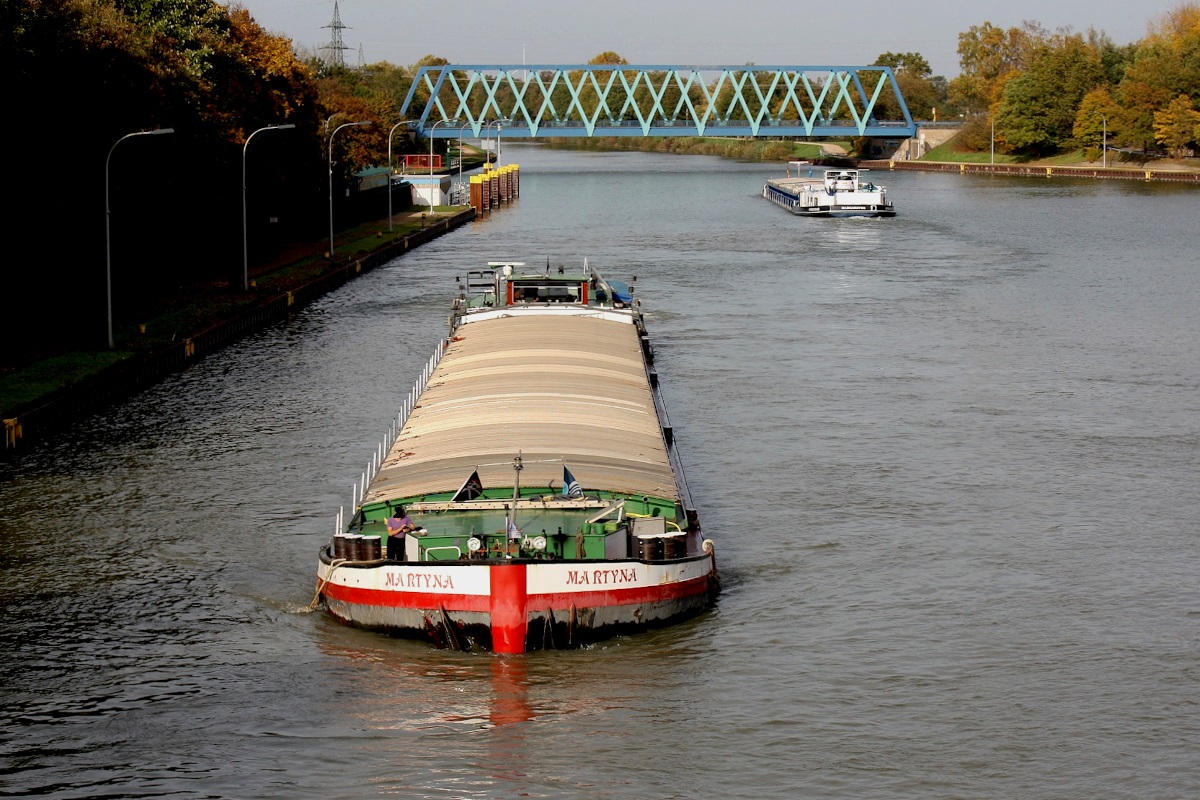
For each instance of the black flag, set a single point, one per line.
(470, 490)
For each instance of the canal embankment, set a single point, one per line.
(31, 419)
(1040, 170)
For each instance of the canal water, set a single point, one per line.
(949, 460)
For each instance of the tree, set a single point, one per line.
(386, 85)
(1173, 67)
(588, 94)
(258, 80)
(922, 93)
(987, 54)
(1098, 114)
(1164, 65)
(1037, 112)
(1114, 59)
(1138, 102)
(357, 147)
(1178, 125)
(607, 57)
(208, 71)
(911, 63)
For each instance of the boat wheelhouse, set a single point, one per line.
(536, 464)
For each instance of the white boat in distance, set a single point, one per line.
(839, 193)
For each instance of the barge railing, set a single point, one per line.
(358, 490)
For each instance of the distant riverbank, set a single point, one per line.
(942, 159)
(739, 149)
(1171, 174)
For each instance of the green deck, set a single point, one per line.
(445, 534)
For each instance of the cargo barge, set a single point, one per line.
(529, 493)
(839, 193)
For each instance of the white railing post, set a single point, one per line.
(358, 491)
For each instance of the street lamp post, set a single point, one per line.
(993, 140)
(335, 132)
(107, 226)
(245, 247)
(461, 130)
(391, 169)
(432, 128)
(1104, 142)
(498, 123)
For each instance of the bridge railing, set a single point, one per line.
(630, 100)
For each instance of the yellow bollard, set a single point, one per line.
(12, 432)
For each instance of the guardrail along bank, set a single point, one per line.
(1042, 171)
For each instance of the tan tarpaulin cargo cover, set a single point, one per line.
(546, 386)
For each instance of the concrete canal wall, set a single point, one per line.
(1028, 170)
(126, 378)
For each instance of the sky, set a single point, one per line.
(698, 32)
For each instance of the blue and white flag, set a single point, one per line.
(513, 531)
(571, 487)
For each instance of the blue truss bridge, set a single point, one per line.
(539, 101)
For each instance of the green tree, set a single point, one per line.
(922, 93)
(590, 88)
(387, 84)
(912, 63)
(1138, 102)
(1114, 59)
(1037, 112)
(727, 103)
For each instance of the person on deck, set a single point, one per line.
(397, 527)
